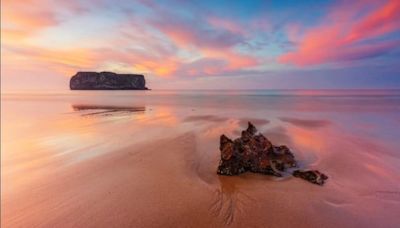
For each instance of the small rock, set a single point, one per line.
(313, 176)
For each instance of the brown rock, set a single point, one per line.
(313, 176)
(253, 152)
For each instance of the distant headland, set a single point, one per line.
(107, 81)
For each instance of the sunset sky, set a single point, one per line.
(203, 44)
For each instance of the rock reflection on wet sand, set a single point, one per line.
(107, 109)
(258, 122)
(210, 118)
(307, 123)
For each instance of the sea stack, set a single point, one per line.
(107, 81)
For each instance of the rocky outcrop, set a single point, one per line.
(107, 81)
(253, 152)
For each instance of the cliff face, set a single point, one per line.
(107, 81)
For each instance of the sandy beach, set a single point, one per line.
(118, 160)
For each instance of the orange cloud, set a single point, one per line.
(20, 19)
(159, 67)
(65, 61)
(234, 60)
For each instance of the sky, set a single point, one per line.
(203, 44)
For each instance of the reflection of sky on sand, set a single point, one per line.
(305, 123)
(352, 139)
(302, 121)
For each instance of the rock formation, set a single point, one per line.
(254, 153)
(107, 81)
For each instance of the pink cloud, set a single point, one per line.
(344, 37)
(379, 22)
(214, 40)
(227, 25)
(197, 33)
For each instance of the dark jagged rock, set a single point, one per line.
(107, 81)
(253, 152)
(313, 176)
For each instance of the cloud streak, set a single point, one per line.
(352, 38)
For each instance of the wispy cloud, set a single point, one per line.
(345, 35)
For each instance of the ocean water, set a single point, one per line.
(351, 135)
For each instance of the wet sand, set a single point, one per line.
(157, 167)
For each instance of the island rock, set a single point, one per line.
(107, 81)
